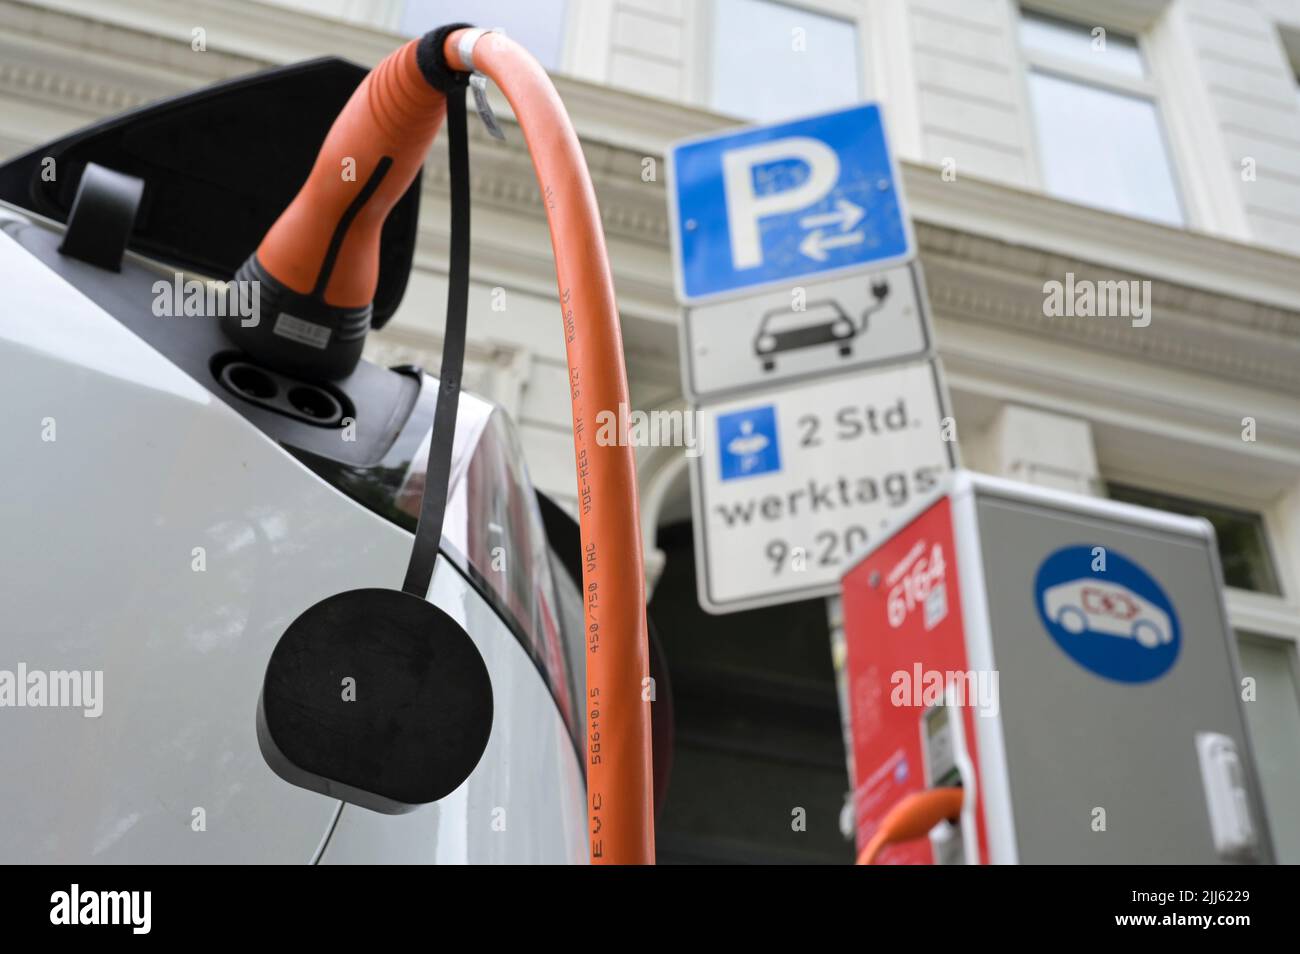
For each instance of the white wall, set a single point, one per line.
(971, 103)
(1249, 86)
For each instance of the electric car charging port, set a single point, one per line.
(313, 404)
(310, 403)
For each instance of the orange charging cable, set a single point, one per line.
(326, 244)
(912, 817)
(619, 768)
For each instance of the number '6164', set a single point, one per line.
(911, 591)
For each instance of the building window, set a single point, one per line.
(1290, 37)
(1295, 69)
(1243, 542)
(1272, 715)
(537, 25)
(770, 61)
(1100, 137)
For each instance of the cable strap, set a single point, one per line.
(433, 505)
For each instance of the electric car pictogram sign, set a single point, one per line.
(1107, 614)
(832, 326)
(777, 204)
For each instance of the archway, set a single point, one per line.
(759, 772)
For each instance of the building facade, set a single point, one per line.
(1050, 141)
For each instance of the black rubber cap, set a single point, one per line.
(376, 697)
(431, 57)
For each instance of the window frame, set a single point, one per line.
(1289, 37)
(1147, 87)
(1266, 615)
(1194, 500)
(1291, 648)
(1272, 641)
(704, 12)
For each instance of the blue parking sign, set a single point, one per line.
(764, 205)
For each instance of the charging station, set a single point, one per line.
(1063, 668)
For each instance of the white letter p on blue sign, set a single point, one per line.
(745, 207)
(761, 206)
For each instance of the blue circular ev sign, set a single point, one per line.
(1114, 620)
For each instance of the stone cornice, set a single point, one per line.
(81, 58)
(980, 280)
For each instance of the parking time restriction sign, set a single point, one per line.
(791, 483)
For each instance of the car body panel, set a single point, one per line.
(154, 535)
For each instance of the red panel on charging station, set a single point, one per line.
(904, 632)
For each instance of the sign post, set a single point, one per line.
(807, 350)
